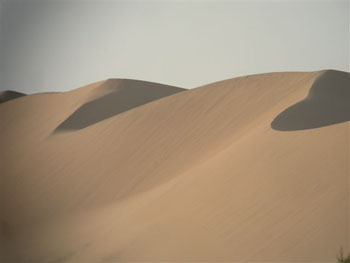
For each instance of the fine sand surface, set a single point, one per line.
(250, 169)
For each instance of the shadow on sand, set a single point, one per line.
(126, 94)
(327, 103)
(10, 95)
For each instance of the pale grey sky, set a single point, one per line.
(62, 45)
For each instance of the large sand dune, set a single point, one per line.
(254, 168)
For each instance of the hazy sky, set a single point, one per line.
(58, 46)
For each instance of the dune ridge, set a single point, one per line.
(122, 95)
(235, 170)
(326, 104)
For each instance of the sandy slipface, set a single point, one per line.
(254, 168)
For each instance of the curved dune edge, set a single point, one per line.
(327, 103)
(123, 95)
(195, 176)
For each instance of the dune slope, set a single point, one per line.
(246, 169)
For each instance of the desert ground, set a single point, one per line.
(249, 169)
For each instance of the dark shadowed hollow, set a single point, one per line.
(126, 94)
(327, 103)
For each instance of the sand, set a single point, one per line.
(9, 95)
(254, 168)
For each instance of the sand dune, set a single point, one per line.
(9, 95)
(123, 95)
(254, 168)
(327, 103)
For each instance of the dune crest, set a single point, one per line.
(199, 175)
(122, 95)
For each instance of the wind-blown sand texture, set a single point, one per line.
(254, 168)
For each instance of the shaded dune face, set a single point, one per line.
(10, 95)
(327, 103)
(123, 96)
